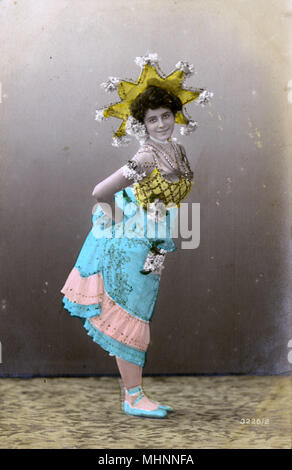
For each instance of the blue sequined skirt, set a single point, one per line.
(108, 288)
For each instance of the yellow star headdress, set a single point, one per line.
(151, 75)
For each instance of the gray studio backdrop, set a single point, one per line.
(223, 307)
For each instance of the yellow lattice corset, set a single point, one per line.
(155, 186)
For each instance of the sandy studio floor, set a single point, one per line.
(85, 413)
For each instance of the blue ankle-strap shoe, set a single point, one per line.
(126, 408)
(129, 410)
(132, 410)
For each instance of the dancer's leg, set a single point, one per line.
(131, 375)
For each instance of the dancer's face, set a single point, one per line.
(159, 123)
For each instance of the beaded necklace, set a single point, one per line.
(187, 172)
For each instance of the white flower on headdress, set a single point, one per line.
(204, 97)
(111, 84)
(136, 128)
(99, 116)
(120, 141)
(151, 59)
(185, 67)
(190, 127)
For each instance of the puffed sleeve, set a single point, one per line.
(139, 166)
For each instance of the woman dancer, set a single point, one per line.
(114, 284)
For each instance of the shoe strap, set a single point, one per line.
(138, 399)
(134, 390)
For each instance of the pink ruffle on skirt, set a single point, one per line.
(113, 321)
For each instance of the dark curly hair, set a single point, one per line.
(152, 98)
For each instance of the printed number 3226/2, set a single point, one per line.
(255, 421)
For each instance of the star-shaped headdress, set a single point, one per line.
(150, 75)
